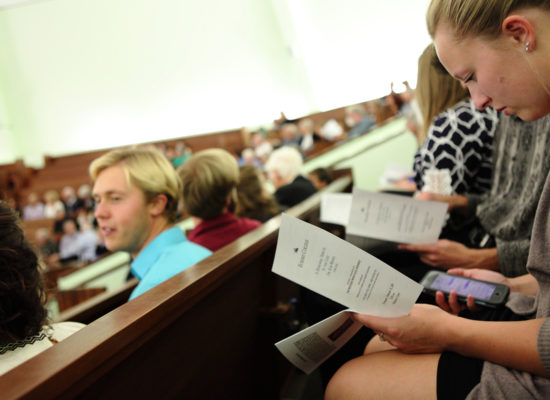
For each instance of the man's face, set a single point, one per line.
(122, 213)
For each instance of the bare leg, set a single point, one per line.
(386, 375)
(375, 345)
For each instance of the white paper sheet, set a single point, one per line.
(310, 347)
(335, 208)
(334, 268)
(395, 218)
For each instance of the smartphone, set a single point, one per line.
(488, 294)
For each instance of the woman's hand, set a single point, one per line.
(424, 330)
(442, 254)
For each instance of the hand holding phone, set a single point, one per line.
(488, 294)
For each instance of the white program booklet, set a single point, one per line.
(334, 268)
(395, 218)
(335, 208)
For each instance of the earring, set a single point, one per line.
(527, 44)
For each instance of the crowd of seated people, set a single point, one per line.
(133, 205)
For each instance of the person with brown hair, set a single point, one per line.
(500, 50)
(253, 199)
(209, 180)
(24, 330)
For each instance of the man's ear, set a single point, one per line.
(520, 30)
(158, 204)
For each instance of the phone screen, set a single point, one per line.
(463, 287)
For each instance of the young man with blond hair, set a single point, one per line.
(136, 192)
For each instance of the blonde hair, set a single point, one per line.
(209, 178)
(286, 161)
(436, 90)
(149, 170)
(475, 17)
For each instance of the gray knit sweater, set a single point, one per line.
(503, 383)
(522, 161)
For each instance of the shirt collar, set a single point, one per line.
(150, 254)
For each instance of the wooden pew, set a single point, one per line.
(207, 333)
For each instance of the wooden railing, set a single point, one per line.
(206, 333)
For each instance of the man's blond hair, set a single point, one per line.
(149, 170)
(209, 179)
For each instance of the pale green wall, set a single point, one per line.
(78, 75)
(100, 73)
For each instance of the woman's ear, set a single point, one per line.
(158, 204)
(520, 30)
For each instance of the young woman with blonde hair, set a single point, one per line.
(500, 49)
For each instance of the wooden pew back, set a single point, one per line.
(206, 333)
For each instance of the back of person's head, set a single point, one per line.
(286, 161)
(436, 89)
(475, 17)
(209, 178)
(251, 193)
(22, 296)
(320, 177)
(149, 170)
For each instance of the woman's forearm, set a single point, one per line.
(511, 344)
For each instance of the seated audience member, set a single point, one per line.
(320, 177)
(456, 139)
(24, 330)
(209, 180)
(34, 208)
(253, 199)
(431, 353)
(48, 249)
(289, 135)
(505, 214)
(306, 133)
(357, 120)
(248, 157)
(332, 131)
(181, 153)
(284, 169)
(262, 147)
(136, 193)
(77, 245)
(52, 204)
(85, 198)
(70, 200)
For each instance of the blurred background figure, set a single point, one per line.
(307, 137)
(357, 120)
(284, 169)
(253, 199)
(47, 247)
(320, 177)
(34, 208)
(289, 135)
(71, 202)
(52, 204)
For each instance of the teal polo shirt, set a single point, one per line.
(165, 256)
